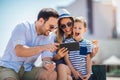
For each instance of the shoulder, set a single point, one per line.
(23, 25)
(86, 41)
(22, 28)
(68, 40)
(52, 36)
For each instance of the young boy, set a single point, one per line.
(79, 61)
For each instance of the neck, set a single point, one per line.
(37, 27)
(66, 35)
(77, 38)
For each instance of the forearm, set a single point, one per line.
(25, 51)
(56, 57)
(89, 64)
(95, 48)
(68, 62)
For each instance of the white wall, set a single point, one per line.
(103, 20)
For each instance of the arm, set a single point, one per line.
(95, 48)
(26, 51)
(19, 42)
(89, 67)
(94, 52)
(74, 72)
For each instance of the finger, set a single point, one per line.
(46, 67)
(53, 48)
(64, 50)
(61, 49)
(57, 43)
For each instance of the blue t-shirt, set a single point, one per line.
(23, 34)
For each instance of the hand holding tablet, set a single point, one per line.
(73, 46)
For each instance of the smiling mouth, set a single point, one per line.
(77, 34)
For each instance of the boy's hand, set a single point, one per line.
(86, 77)
(95, 47)
(75, 73)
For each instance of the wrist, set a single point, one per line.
(58, 56)
(42, 48)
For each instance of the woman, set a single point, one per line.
(64, 30)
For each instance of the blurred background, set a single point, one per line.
(103, 17)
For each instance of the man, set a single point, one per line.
(27, 42)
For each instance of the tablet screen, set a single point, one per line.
(73, 46)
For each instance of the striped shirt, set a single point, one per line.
(78, 58)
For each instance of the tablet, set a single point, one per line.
(73, 46)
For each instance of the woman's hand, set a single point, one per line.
(61, 53)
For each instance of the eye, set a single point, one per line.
(74, 27)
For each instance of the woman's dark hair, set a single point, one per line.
(46, 13)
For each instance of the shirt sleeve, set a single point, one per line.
(19, 35)
(89, 47)
(46, 54)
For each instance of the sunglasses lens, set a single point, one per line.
(52, 27)
(63, 26)
(69, 24)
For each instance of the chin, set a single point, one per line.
(69, 33)
(47, 34)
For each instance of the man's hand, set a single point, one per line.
(49, 65)
(52, 47)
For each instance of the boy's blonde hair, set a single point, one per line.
(81, 20)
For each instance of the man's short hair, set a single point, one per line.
(46, 13)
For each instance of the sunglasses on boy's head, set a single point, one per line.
(69, 24)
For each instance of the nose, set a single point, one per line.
(67, 28)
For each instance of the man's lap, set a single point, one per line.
(30, 75)
(6, 72)
(33, 74)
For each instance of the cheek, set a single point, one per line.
(74, 30)
(46, 28)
